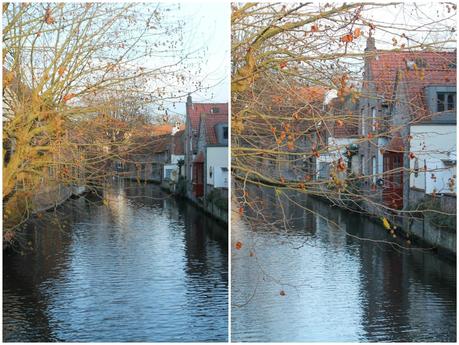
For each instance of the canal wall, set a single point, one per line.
(420, 225)
(52, 196)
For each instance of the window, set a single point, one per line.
(446, 101)
(225, 133)
(421, 62)
(362, 118)
(324, 170)
(373, 166)
(373, 119)
(168, 174)
(214, 110)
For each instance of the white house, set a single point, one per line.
(433, 165)
(217, 166)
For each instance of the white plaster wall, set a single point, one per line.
(217, 158)
(431, 144)
(176, 158)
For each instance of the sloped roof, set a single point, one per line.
(414, 84)
(210, 122)
(344, 117)
(194, 111)
(384, 66)
(161, 143)
(179, 146)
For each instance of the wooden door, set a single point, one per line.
(198, 179)
(393, 180)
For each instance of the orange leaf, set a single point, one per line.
(339, 123)
(48, 17)
(283, 64)
(68, 97)
(341, 165)
(347, 38)
(238, 245)
(241, 211)
(61, 70)
(412, 155)
(314, 28)
(357, 33)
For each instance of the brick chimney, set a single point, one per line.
(371, 45)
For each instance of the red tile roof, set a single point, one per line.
(179, 146)
(414, 83)
(194, 111)
(210, 122)
(385, 65)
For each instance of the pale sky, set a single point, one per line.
(207, 26)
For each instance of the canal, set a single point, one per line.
(132, 265)
(328, 275)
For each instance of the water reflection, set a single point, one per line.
(135, 266)
(337, 287)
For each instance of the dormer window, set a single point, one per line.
(446, 101)
(221, 132)
(420, 62)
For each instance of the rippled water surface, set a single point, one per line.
(143, 267)
(308, 281)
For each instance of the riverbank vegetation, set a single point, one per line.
(80, 82)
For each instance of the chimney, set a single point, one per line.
(371, 45)
(189, 105)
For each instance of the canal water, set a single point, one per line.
(328, 275)
(134, 265)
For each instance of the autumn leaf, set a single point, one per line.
(341, 165)
(412, 155)
(316, 153)
(8, 77)
(339, 123)
(314, 28)
(241, 210)
(282, 179)
(347, 38)
(68, 97)
(357, 33)
(48, 17)
(283, 64)
(61, 70)
(238, 245)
